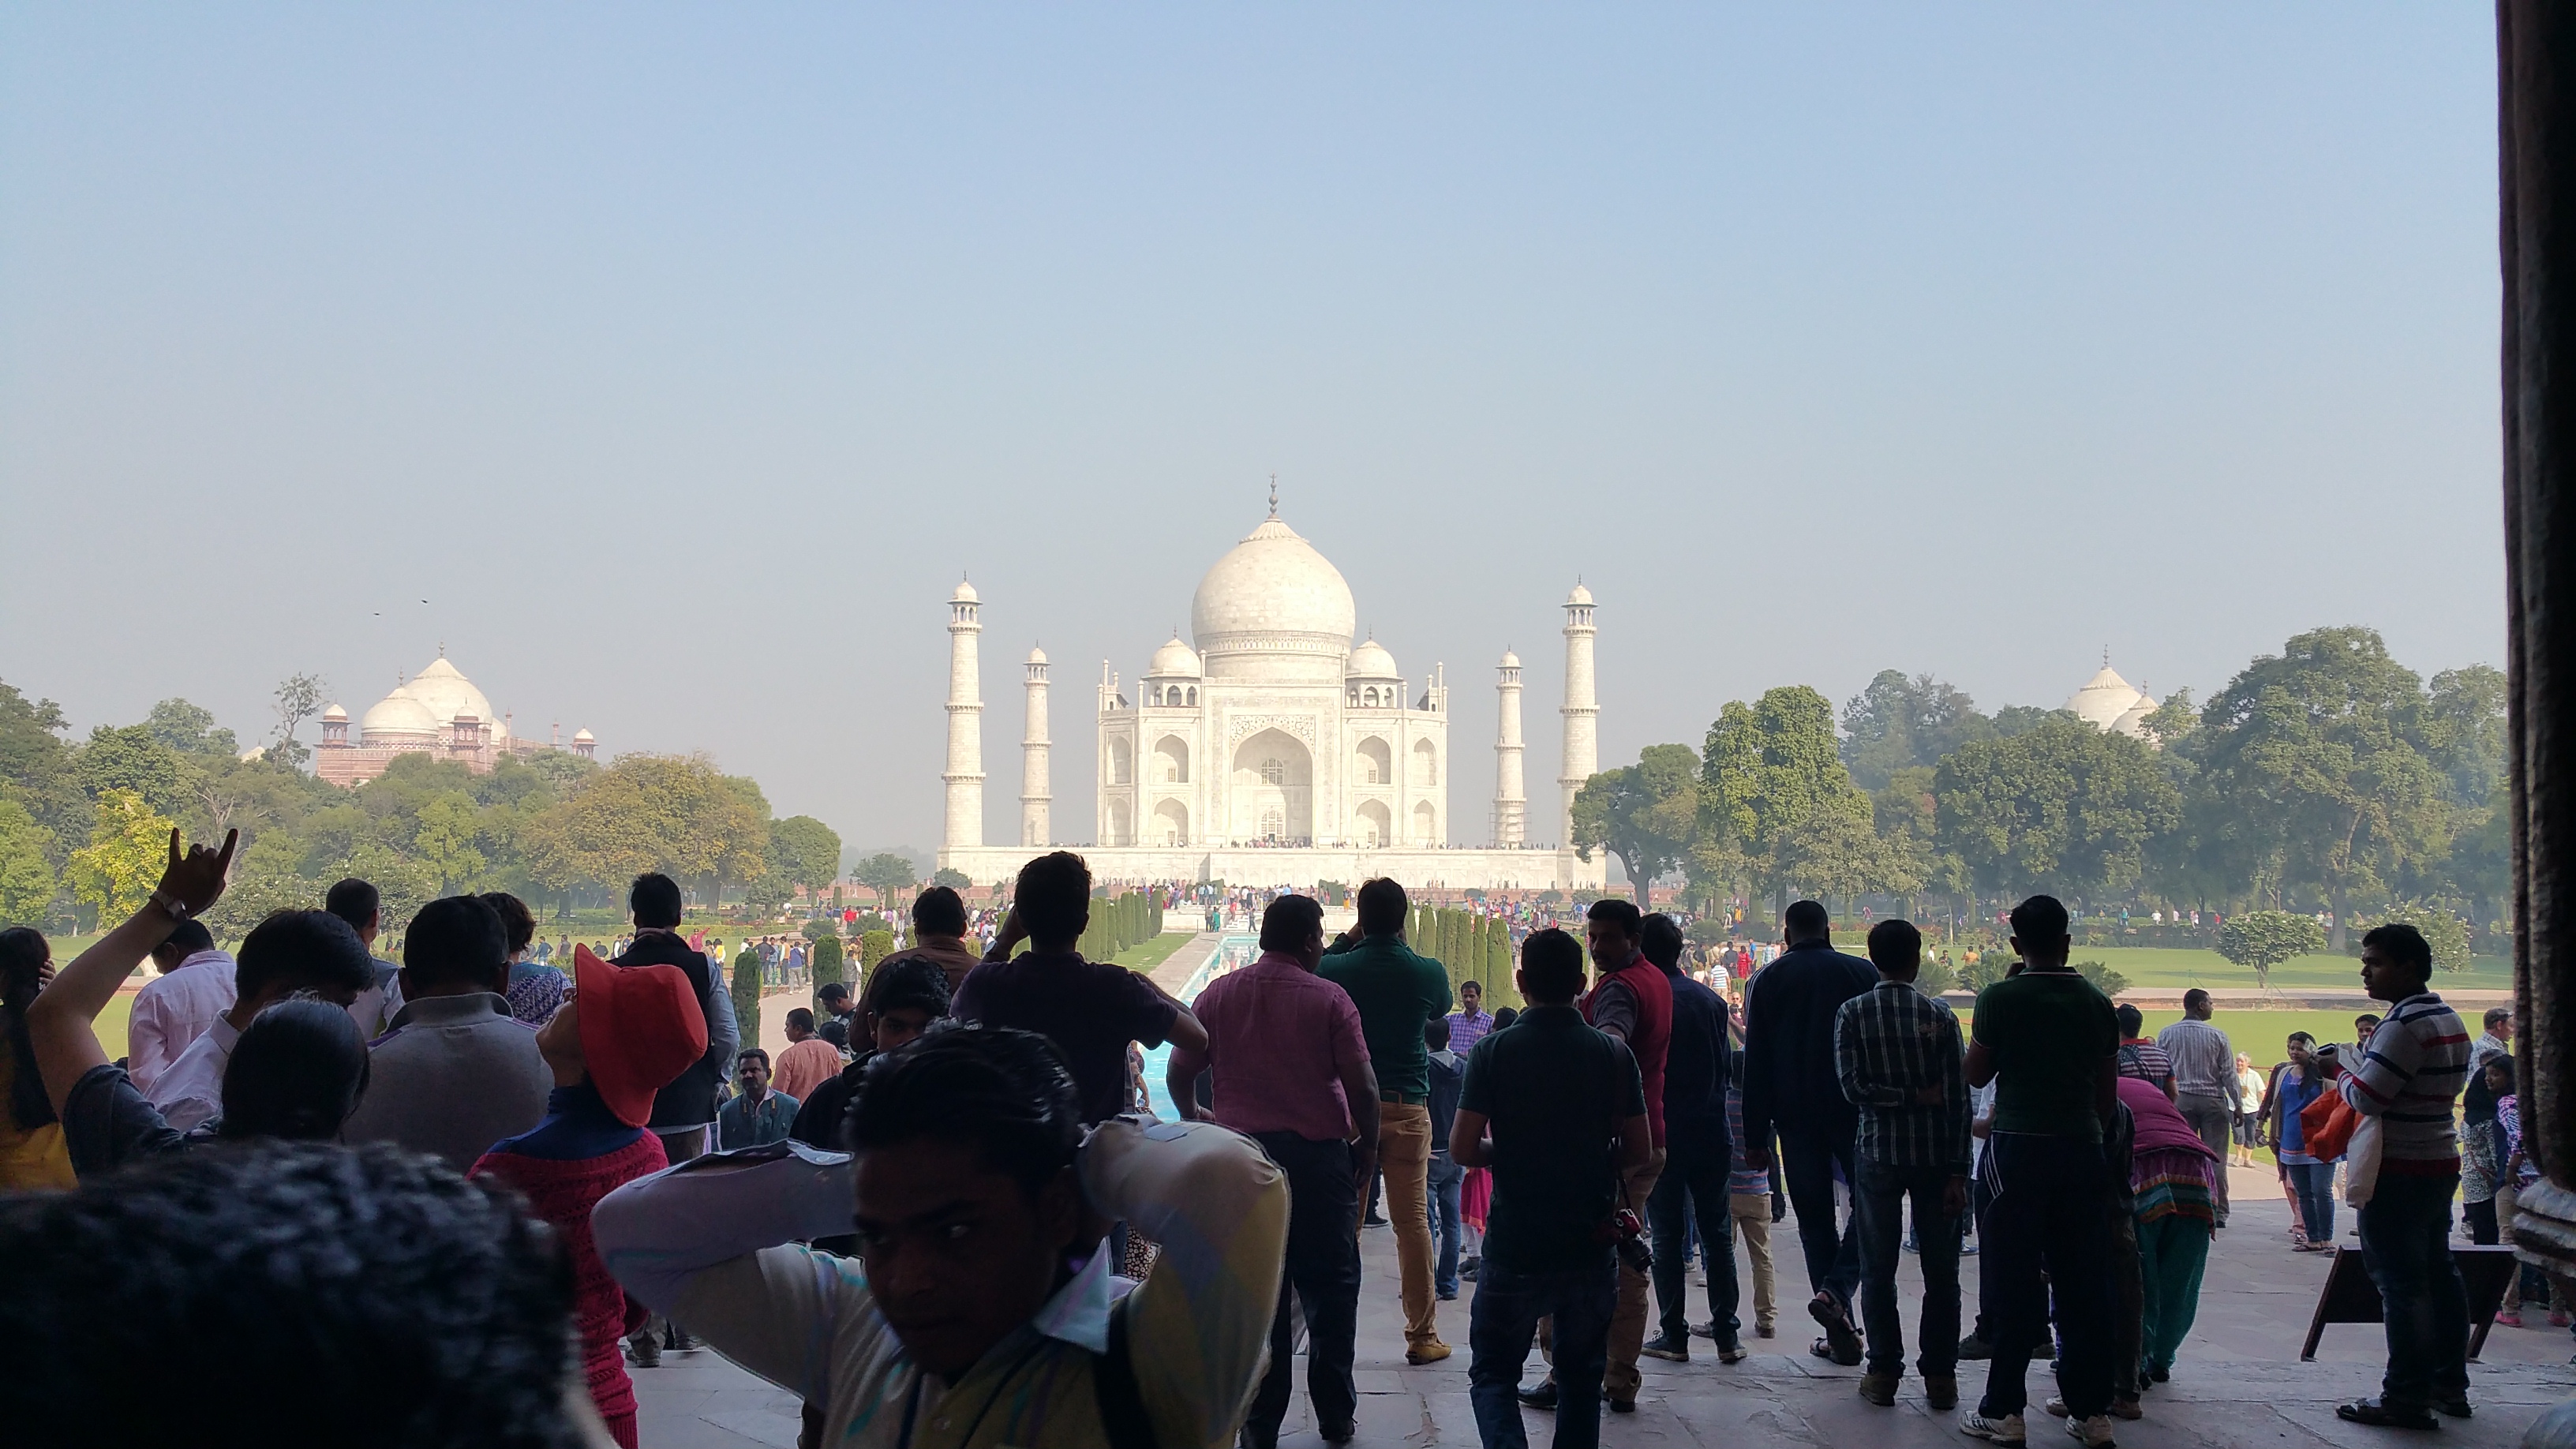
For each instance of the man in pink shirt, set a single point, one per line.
(175, 1008)
(1288, 1064)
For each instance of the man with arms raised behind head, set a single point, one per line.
(2204, 1081)
(2047, 1040)
(966, 1321)
(1396, 991)
(1089, 1009)
(308, 956)
(457, 1073)
(1790, 1086)
(1568, 1118)
(174, 1008)
(1291, 1071)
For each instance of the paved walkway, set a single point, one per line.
(2238, 1382)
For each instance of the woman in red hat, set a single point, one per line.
(621, 1036)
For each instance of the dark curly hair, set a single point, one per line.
(23, 953)
(1007, 1091)
(297, 1072)
(321, 1295)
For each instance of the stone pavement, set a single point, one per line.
(2238, 1381)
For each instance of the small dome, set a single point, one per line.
(583, 737)
(1036, 655)
(398, 716)
(965, 593)
(335, 715)
(2134, 722)
(2103, 699)
(446, 693)
(1581, 595)
(1510, 660)
(1371, 661)
(1174, 657)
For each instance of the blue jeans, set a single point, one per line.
(2313, 1183)
(2050, 1214)
(1878, 1203)
(1690, 1200)
(1440, 1205)
(1500, 1326)
(2406, 1245)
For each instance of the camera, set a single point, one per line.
(1627, 1237)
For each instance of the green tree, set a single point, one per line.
(268, 876)
(445, 841)
(2312, 775)
(804, 851)
(2446, 933)
(1767, 771)
(1837, 851)
(26, 877)
(885, 873)
(1899, 723)
(2265, 939)
(299, 697)
(2104, 979)
(746, 994)
(131, 759)
(128, 846)
(827, 962)
(874, 946)
(2062, 807)
(190, 729)
(955, 880)
(35, 768)
(1647, 814)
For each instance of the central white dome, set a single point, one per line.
(1274, 599)
(447, 693)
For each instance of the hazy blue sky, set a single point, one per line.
(682, 357)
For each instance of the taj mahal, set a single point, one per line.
(1274, 748)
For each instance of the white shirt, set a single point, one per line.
(172, 1011)
(192, 1090)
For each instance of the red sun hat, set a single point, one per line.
(640, 1028)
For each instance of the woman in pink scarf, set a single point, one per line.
(2170, 1180)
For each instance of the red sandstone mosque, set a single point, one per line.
(436, 712)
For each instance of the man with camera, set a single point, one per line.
(1556, 1109)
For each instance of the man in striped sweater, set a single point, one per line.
(2411, 1071)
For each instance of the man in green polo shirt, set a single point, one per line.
(1396, 992)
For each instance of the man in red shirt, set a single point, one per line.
(1632, 1001)
(1287, 1060)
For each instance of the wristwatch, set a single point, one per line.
(177, 908)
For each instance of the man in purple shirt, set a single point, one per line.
(1469, 1023)
(1285, 1051)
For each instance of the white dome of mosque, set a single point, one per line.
(398, 714)
(1273, 595)
(1036, 655)
(447, 693)
(965, 594)
(335, 715)
(1581, 595)
(583, 737)
(1174, 657)
(1511, 660)
(2104, 699)
(1371, 661)
(2133, 722)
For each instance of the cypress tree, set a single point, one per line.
(746, 997)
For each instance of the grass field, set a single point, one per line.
(2175, 968)
(1153, 953)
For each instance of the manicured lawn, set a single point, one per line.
(2174, 968)
(1153, 953)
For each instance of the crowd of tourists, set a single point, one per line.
(462, 1198)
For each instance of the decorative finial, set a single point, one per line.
(442, 648)
(1274, 495)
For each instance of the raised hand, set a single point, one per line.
(196, 879)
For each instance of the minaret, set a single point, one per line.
(1582, 716)
(965, 772)
(1035, 794)
(1511, 802)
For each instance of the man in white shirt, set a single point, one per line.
(173, 1009)
(290, 953)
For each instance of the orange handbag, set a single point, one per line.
(2326, 1125)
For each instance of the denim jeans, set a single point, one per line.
(1500, 1327)
(1322, 1270)
(2050, 1214)
(1878, 1208)
(1692, 1193)
(1808, 1156)
(1441, 1203)
(2313, 1184)
(2406, 1245)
